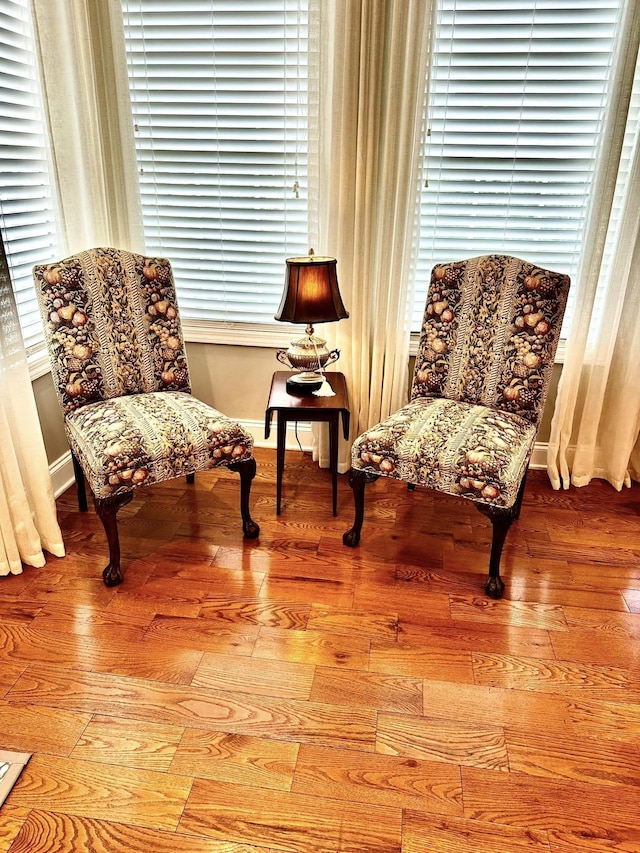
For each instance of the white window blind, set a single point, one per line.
(219, 92)
(518, 93)
(26, 203)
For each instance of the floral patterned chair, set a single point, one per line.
(120, 371)
(489, 337)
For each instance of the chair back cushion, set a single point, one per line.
(112, 326)
(490, 332)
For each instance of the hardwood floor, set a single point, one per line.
(290, 694)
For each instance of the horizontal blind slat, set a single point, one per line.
(27, 218)
(518, 93)
(219, 98)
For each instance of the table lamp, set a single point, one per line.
(311, 295)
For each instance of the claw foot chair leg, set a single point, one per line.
(247, 471)
(80, 484)
(107, 509)
(501, 521)
(357, 480)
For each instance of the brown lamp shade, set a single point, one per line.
(311, 292)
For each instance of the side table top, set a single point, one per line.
(279, 399)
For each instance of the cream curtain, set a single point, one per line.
(367, 74)
(27, 509)
(84, 75)
(596, 422)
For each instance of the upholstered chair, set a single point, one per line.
(120, 370)
(489, 336)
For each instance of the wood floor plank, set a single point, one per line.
(159, 592)
(551, 592)
(595, 647)
(128, 743)
(63, 618)
(89, 789)
(10, 671)
(425, 832)
(485, 637)
(257, 611)
(33, 729)
(620, 840)
(379, 779)
(517, 799)
(312, 590)
(126, 603)
(288, 821)
(353, 623)
(611, 624)
(580, 758)
(30, 646)
(367, 690)
(632, 599)
(45, 832)
(519, 709)
(282, 719)
(437, 739)
(317, 648)
(525, 614)
(575, 552)
(421, 661)
(14, 609)
(61, 587)
(559, 676)
(608, 720)
(11, 822)
(240, 759)
(256, 676)
(203, 635)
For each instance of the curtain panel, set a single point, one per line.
(596, 421)
(368, 63)
(88, 110)
(28, 521)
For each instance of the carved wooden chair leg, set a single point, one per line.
(107, 509)
(191, 478)
(80, 484)
(247, 471)
(501, 520)
(357, 480)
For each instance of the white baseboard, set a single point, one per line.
(62, 469)
(61, 472)
(539, 455)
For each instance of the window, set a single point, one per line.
(26, 201)
(518, 94)
(219, 98)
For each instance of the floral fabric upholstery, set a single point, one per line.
(120, 370)
(112, 326)
(457, 448)
(489, 337)
(126, 442)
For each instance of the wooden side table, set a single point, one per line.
(307, 408)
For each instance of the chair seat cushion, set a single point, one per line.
(126, 442)
(453, 447)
